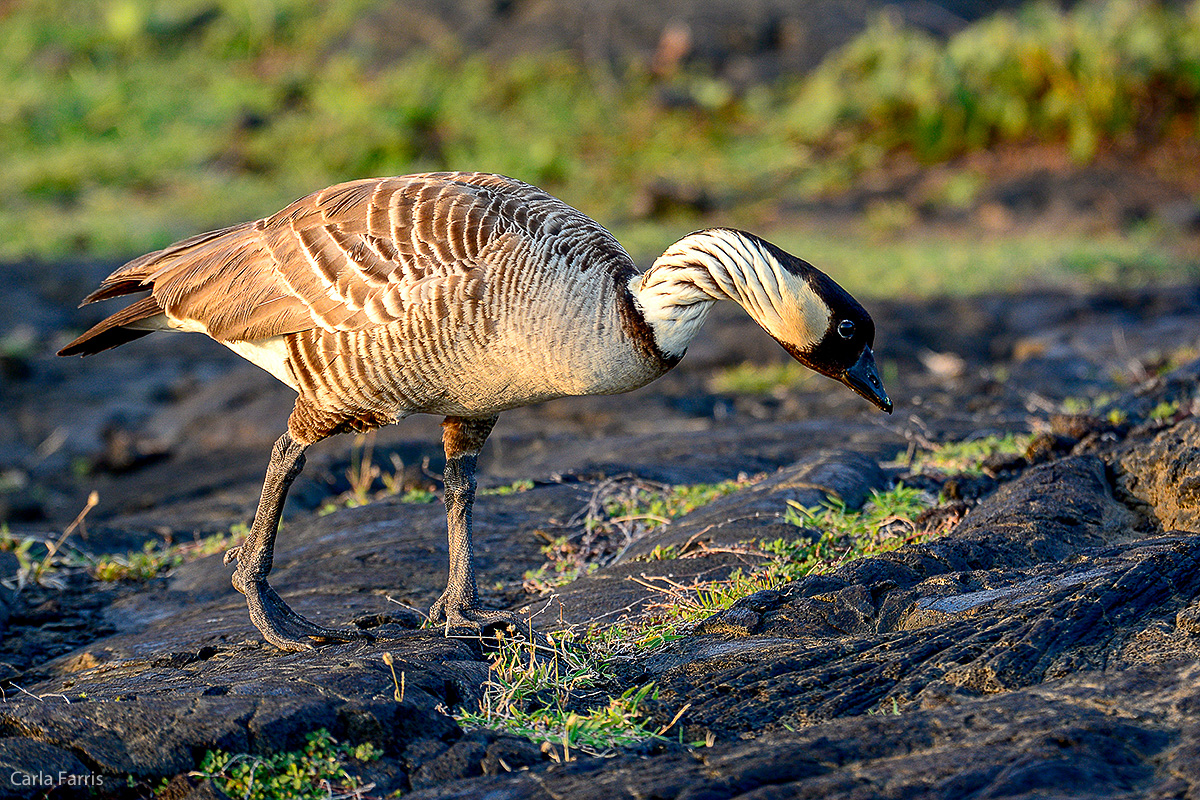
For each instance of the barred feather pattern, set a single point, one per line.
(461, 294)
(450, 293)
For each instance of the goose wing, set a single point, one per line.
(353, 256)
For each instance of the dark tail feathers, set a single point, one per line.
(112, 332)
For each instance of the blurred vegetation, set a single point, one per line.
(127, 124)
(1103, 72)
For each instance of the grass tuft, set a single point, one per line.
(970, 455)
(886, 522)
(554, 698)
(750, 378)
(318, 771)
(620, 511)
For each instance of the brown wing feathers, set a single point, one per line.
(345, 258)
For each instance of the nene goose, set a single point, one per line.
(461, 295)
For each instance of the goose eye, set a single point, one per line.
(845, 329)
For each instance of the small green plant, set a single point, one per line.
(644, 633)
(515, 487)
(318, 771)
(970, 455)
(887, 521)
(565, 562)
(364, 475)
(651, 505)
(1077, 405)
(155, 559)
(1164, 411)
(149, 562)
(1116, 416)
(662, 553)
(750, 378)
(418, 496)
(362, 472)
(888, 707)
(27, 557)
(1090, 406)
(46, 561)
(552, 697)
(620, 511)
(43, 560)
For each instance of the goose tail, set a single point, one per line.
(115, 330)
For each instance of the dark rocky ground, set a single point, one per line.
(1048, 645)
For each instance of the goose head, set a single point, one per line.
(814, 319)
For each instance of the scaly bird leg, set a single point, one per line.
(279, 625)
(459, 604)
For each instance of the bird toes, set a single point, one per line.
(287, 630)
(481, 622)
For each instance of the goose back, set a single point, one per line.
(448, 293)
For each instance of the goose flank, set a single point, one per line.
(462, 295)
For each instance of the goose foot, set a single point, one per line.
(478, 621)
(283, 627)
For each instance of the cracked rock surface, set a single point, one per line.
(1046, 645)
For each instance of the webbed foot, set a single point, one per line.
(478, 621)
(283, 627)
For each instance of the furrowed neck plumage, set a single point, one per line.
(677, 293)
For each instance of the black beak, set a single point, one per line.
(863, 380)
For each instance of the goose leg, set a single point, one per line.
(459, 604)
(279, 624)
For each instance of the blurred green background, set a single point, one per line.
(905, 153)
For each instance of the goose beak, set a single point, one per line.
(863, 380)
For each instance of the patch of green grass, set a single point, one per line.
(47, 560)
(748, 378)
(651, 505)
(620, 512)
(945, 263)
(155, 559)
(183, 132)
(149, 562)
(1084, 405)
(886, 522)
(516, 487)
(565, 563)
(969, 455)
(318, 771)
(1164, 411)
(554, 698)
(127, 125)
